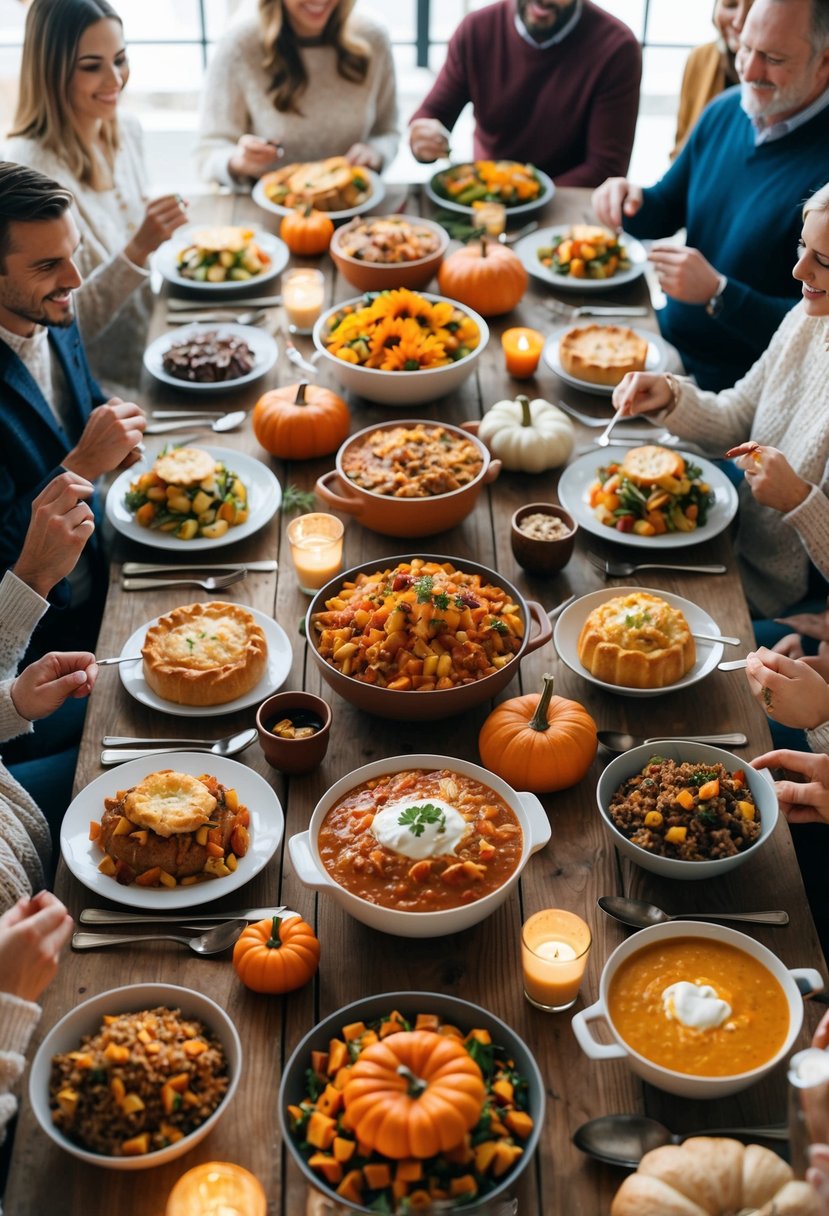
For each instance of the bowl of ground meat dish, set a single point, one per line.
(136, 1076)
(686, 810)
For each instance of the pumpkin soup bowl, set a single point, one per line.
(702, 936)
(306, 858)
(380, 276)
(403, 516)
(449, 1009)
(631, 762)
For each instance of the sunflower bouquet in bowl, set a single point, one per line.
(400, 331)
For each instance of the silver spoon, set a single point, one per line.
(222, 747)
(214, 941)
(618, 742)
(641, 915)
(603, 440)
(509, 238)
(228, 422)
(624, 1139)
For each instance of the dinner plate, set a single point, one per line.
(569, 626)
(527, 249)
(574, 487)
(660, 357)
(447, 204)
(280, 658)
(166, 261)
(264, 497)
(262, 345)
(83, 856)
(376, 196)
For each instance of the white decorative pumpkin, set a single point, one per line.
(528, 436)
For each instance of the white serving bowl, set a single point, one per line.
(86, 1019)
(684, 1084)
(306, 860)
(629, 763)
(401, 388)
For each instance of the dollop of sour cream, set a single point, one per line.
(695, 1005)
(416, 830)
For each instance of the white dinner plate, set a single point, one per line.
(82, 855)
(574, 489)
(661, 355)
(527, 249)
(569, 626)
(280, 658)
(264, 497)
(376, 196)
(166, 262)
(522, 209)
(262, 346)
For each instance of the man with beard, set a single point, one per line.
(553, 82)
(737, 188)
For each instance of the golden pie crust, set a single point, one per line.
(602, 354)
(327, 185)
(205, 654)
(169, 803)
(185, 466)
(637, 641)
(650, 463)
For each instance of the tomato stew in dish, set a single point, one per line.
(412, 461)
(420, 841)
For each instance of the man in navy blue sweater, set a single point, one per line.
(738, 188)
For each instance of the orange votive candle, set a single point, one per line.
(522, 349)
(555, 946)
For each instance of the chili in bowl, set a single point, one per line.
(421, 845)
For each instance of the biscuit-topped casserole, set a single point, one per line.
(205, 654)
(602, 354)
(637, 641)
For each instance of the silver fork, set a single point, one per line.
(214, 582)
(254, 317)
(298, 360)
(613, 569)
(584, 419)
(569, 312)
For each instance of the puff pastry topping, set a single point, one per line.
(205, 654)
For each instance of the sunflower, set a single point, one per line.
(403, 303)
(401, 330)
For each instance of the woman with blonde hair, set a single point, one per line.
(300, 81)
(711, 68)
(67, 126)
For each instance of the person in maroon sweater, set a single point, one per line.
(552, 82)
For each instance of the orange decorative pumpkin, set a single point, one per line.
(277, 955)
(538, 742)
(307, 232)
(414, 1094)
(487, 277)
(301, 421)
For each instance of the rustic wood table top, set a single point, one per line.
(483, 963)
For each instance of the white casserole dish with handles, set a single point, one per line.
(685, 1084)
(305, 857)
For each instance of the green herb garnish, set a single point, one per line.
(423, 588)
(295, 499)
(416, 818)
(498, 626)
(442, 600)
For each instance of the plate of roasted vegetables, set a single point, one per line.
(650, 497)
(582, 257)
(521, 188)
(222, 260)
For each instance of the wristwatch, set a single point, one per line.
(715, 304)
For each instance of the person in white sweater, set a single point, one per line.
(299, 82)
(782, 407)
(73, 70)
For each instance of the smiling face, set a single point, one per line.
(779, 71)
(40, 274)
(812, 268)
(729, 19)
(542, 18)
(99, 72)
(308, 18)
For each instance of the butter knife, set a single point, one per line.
(103, 916)
(264, 567)
(177, 305)
(658, 297)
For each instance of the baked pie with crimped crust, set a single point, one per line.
(602, 354)
(205, 654)
(637, 641)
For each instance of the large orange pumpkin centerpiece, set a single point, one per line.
(487, 277)
(301, 421)
(414, 1094)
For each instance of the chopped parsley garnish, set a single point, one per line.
(441, 600)
(460, 602)
(416, 818)
(498, 626)
(423, 588)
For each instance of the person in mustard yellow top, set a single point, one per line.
(710, 68)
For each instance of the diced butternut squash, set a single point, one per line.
(68, 1100)
(465, 1185)
(351, 1187)
(503, 1090)
(132, 1103)
(711, 789)
(319, 1062)
(505, 1156)
(747, 809)
(377, 1176)
(331, 1170)
(427, 1021)
(337, 1055)
(343, 1149)
(519, 1123)
(484, 1155)
(330, 1101)
(117, 1052)
(137, 1145)
(676, 835)
(321, 1130)
(653, 819)
(685, 799)
(409, 1170)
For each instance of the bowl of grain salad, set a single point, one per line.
(542, 536)
(136, 1076)
(376, 252)
(686, 810)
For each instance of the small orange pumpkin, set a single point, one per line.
(487, 277)
(414, 1094)
(277, 955)
(301, 421)
(306, 231)
(538, 742)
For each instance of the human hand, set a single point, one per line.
(817, 1175)
(642, 393)
(60, 526)
(800, 801)
(109, 439)
(684, 274)
(790, 690)
(821, 1036)
(32, 935)
(161, 218)
(365, 155)
(810, 624)
(770, 477)
(44, 685)
(614, 199)
(790, 645)
(428, 140)
(254, 156)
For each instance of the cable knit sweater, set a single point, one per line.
(334, 112)
(18, 1019)
(783, 401)
(114, 302)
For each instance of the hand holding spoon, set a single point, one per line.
(641, 915)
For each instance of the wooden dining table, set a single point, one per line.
(483, 963)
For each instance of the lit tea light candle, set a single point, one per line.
(303, 295)
(217, 1188)
(492, 217)
(522, 350)
(555, 946)
(316, 549)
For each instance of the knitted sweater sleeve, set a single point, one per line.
(664, 206)
(747, 311)
(20, 610)
(451, 90)
(385, 134)
(818, 739)
(224, 115)
(611, 122)
(18, 1019)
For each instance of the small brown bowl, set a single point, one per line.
(293, 756)
(542, 556)
(381, 276)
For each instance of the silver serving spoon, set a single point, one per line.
(214, 941)
(227, 422)
(642, 915)
(603, 440)
(228, 746)
(624, 1139)
(509, 238)
(618, 742)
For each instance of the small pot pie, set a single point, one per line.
(637, 641)
(205, 654)
(602, 354)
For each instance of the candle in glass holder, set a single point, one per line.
(303, 295)
(316, 549)
(555, 946)
(217, 1188)
(522, 349)
(492, 217)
